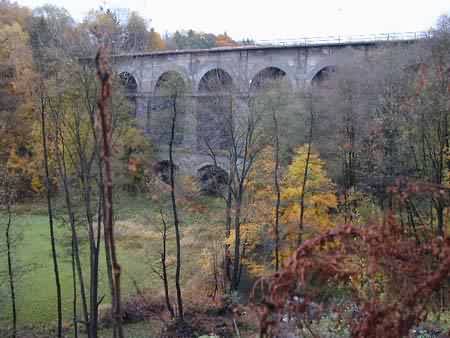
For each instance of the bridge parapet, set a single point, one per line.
(345, 39)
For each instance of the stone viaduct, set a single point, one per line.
(239, 68)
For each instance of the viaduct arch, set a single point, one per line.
(216, 82)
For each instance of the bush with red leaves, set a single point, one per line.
(399, 273)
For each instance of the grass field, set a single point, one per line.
(139, 241)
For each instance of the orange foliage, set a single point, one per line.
(223, 40)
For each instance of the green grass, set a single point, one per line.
(36, 294)
(138, 248)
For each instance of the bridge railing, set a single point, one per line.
(124, 45)
(327, 40)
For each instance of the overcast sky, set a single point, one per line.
(272, 19)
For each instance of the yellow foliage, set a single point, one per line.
(319, 197)
(17, 84)
(156, 42)
(102, 22)
(205, 260)
(11, 12)
(16, 118)
(258, 270)
(37, 184)
(25, 168)
(261, 189)
(250, 233)
(259, 215)
(211, 270)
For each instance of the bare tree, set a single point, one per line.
(343, 108)
(431, 104)
(162, 274)
(245, 144)
(171, 90)
(43, 108)
(215, 119)
(176, 221)
(60, 154)
(105, 122)
(78, 162)
(276, 183)
(7, 200)
(68, 95)
(305, 174)
(273, 98)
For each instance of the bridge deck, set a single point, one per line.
(330, 41)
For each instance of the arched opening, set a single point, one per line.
(323, 78)
(168, 101)
(129, 88)
(212, 179)
(269, 90)
(214, 110)
(267, 79)
(216, 80)
(162, 170)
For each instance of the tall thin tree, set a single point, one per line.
(50, 213)
(105, 122)
(176, 221)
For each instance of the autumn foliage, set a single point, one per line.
(388, 274)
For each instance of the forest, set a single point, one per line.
(331, 218)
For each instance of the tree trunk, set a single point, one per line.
(94, 239)
(50, 219)
(75, 240)
(105, 119)
(276, 183)
(86, 181)
(94, 254)
(74, 293)
(228, 205)
(164, 269)
(305, 178)
(175, 212)
(11, 271)
(237, 242)
(440, 218)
